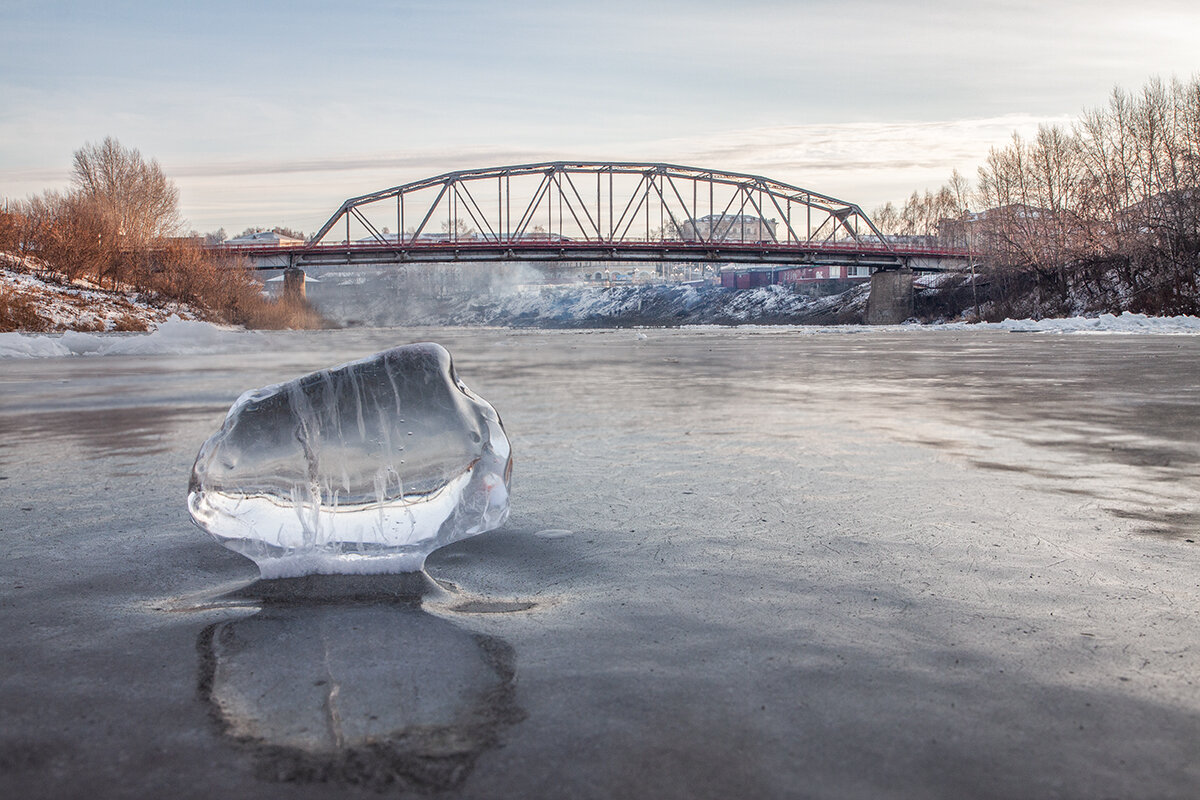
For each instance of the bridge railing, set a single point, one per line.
(576, 244)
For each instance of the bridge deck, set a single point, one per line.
(773, 253)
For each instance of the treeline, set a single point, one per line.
(116, 228)
(1103, 215)
(218, 236)
(926, 215)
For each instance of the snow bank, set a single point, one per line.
(175, 336)
(1105, 323)
(590, 306)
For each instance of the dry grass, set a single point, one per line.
(128, 323)
(18, 312)
(281, 315)
(224, 288)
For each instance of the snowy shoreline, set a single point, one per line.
(1124, 323)
(48, 303)
(176, 336)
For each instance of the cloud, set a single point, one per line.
(429, 163)
(863, 162)
(859, 145)
(850, 146)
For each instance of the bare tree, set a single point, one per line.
(887, 219)
(291, 233)
(214, 237)
(133, 192)
(461, 229)
(960, 190)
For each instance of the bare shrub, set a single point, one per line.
(19, 313)
(222, 285)
(11, 223)
(129, 324)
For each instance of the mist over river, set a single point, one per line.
(741, 562)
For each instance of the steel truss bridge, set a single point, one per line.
(595, 212)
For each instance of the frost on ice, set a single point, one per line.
(364, 468)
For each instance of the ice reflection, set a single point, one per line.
(327, 685)
(125, 435)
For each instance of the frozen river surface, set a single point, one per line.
(741, 563)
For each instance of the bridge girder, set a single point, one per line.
(504, 207)
(636, 252)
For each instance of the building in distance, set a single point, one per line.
(263, 239)
(728, 228)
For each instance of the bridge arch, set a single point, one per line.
(575, 205)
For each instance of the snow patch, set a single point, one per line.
(175, 336)
(1126, 323)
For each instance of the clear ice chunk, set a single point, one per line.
(363, 468)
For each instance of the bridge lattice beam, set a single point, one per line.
(616, 203)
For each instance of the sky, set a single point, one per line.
(269, 113)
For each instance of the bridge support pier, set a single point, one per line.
(891, 298)
(293, 285)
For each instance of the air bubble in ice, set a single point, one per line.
(305, 477)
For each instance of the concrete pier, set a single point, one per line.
(293, 284)
(891, 299)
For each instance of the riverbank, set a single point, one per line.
(651, 306)
(176, 336)
(36, 299)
